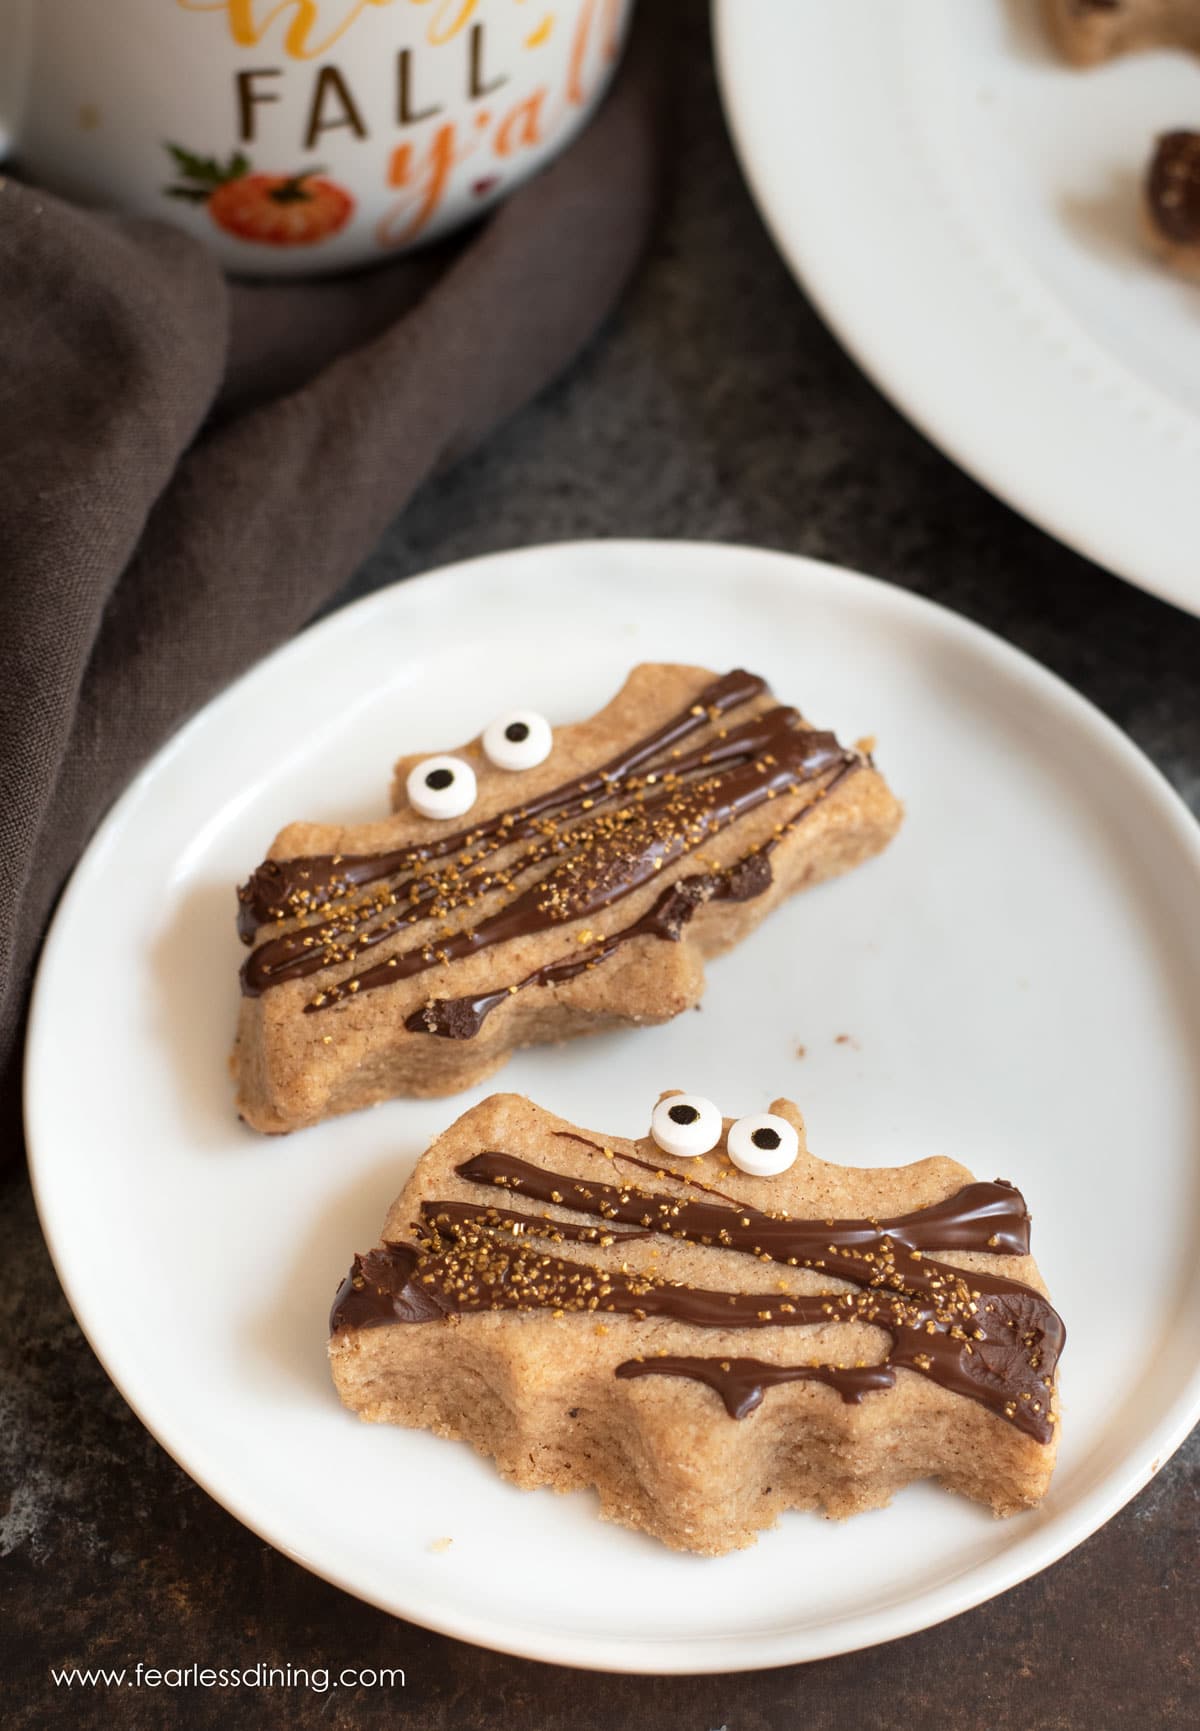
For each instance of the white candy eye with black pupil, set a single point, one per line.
(686, 1125)
(519, 740)
(763, 1145)
(441, 787)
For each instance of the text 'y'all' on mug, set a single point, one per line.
(298, 137)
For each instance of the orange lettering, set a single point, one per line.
(521, 126)
(400, 165)
(576, 95)
(427, 177)
(449, 17)
(249, 23)
(612, 28)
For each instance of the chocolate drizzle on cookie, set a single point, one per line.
(287, 889)
(588, 844)
(742, 1382)
(997, 1341)
(461, 1018)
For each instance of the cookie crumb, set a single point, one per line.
(441, 1544)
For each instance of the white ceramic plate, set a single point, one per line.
(963, 208)
(1019, 975)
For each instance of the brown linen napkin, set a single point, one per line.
(181, 488)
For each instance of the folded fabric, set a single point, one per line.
(190, 468)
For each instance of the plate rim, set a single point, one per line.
(810, 261)
(673, 1654)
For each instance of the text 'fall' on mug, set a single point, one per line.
(299, 136)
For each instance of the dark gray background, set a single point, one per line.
(715, 405)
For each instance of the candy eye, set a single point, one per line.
(685, 1125)
(763, 1145)
(519, 740)
(441, 787)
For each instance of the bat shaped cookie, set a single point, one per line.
(535, 885)
(708, 1326)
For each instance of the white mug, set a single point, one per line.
(299, 137)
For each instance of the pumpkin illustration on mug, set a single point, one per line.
(300, 137)
(299, 209)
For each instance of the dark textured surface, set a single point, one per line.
(715, 406)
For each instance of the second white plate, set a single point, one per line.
(1019, 976)
(963, 208)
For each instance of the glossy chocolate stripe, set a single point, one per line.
(985, 1217)
(276, 883)
(966, 1320)
(379, 1289)
(461, 1018)
(994, 1341)
(742, 1382)
(418, 1283)
(312, 947)
(659, 830)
